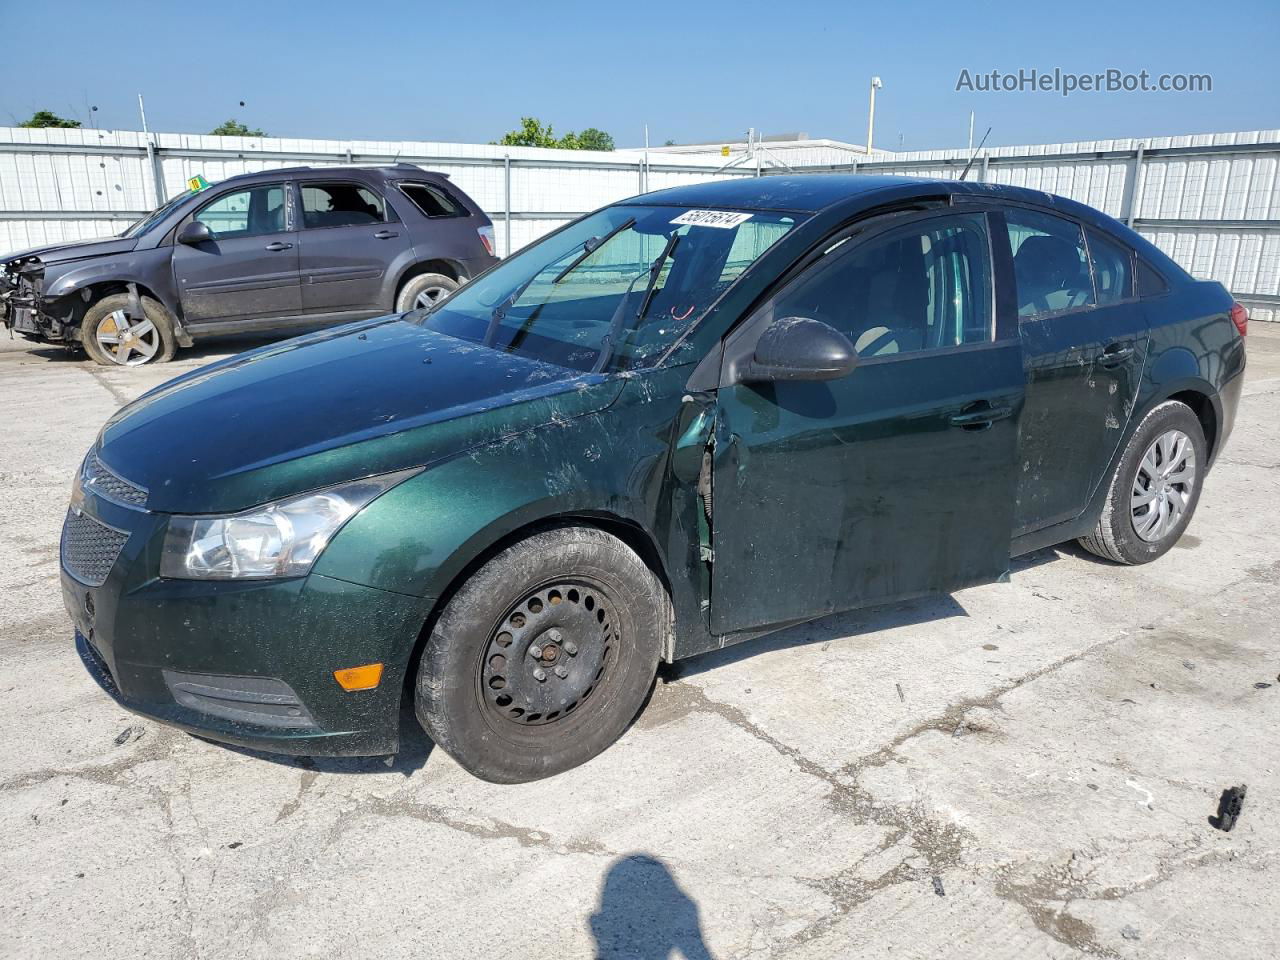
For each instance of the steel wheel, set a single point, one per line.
(1162, 486)
(429, 297)
(128, 344)
(548, 654)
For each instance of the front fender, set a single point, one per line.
(147, 268)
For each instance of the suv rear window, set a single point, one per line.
(340, 205)
(432, 200)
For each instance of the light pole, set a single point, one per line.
(871, 114)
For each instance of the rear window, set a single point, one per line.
(433, 201)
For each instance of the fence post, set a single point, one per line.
(1132, 195)
(157, 172)
(986, 168)
(506, 202)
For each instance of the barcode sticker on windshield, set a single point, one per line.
(712, 218)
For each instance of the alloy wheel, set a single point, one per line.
(1163, 485)
(429, 297)
(127, 343)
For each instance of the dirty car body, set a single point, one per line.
(281, 250)
(840, 391)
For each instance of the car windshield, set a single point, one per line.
(140, 227)
(613, 291)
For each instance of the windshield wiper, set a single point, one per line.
(592, 245)
(610, 340)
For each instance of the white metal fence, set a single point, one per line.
(1212, 202)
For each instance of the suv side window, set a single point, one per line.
(1112, 268)
(432, 200)
(922, 286)
(340, 205)
(1050, 265)
(245, 213)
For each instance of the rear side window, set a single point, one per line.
(1112, 268)
(923, 286)
(1150, 283)
(1050, 265)
(245, 213)
(340, 205)
(432, 200)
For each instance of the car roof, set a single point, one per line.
(388, 171)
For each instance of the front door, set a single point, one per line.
(896, 480)
(349, 240)
(249, 270)
(1084, 339)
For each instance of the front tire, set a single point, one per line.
(1155, 488)
(424, 291)
(113, 339)
(544, 656)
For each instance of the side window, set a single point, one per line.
(1112, 268)
(246, 213)
(920, 287)
(1050, 266)
(432, 200)
(340, 205)
(1150, 283)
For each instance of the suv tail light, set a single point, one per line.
(1240, 317)
(486, 237)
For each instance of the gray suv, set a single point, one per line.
(281, 250)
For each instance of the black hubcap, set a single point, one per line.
(549, 653)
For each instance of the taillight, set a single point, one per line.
(1240, 317)
(486, 237)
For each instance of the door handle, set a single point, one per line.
(385, 235)
(1116, 354)
(277, 245)
(980, 415)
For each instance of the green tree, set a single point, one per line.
(669, 143)
(534, 133)
(234, 128)
(531, 134)
(47, 118)
(593, 139)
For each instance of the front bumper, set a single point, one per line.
(249, 663)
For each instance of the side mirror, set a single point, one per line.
(195, 232)
(798, 348)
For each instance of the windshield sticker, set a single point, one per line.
(712, 218)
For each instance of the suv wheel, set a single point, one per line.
(544, 656)
(1155, 488)
(111, 338)
(424, 290)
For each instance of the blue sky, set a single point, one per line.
(691, 70)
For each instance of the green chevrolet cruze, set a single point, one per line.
(679, 422)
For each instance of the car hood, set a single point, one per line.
(350, 402)
(79, 250)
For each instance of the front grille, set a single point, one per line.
(99, 478)
(89, 548)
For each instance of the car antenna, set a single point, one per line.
(964, 173)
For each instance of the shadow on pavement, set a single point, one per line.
(644, 915)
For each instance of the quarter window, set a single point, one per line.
(920, 287)
(1050, 266)
(340, 205)
(1150, 283)
(1112, 269)
(245, 213)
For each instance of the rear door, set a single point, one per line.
(896, 480)
(349, 239)
(249, 270)
(1084, 339)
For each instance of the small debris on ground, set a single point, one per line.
(1230, 805)
(1261, 685)
(1130, 932)
(901, 696)
(235, 844)
(129, 734)
(937, 886)
(1188, 664)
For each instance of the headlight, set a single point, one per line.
(281, 539)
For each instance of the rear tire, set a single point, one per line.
(1154, 462)
(424, 290)
(544, 656)
(107, 341)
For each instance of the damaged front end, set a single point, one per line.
(22, 302)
